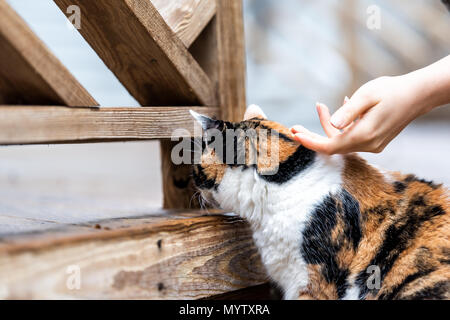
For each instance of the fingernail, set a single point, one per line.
(298, 136)
(337, 120)
(346, 99)
(299, 128)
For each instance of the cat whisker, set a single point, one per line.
(197, 193)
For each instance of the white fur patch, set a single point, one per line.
(278, 214)
(352, 293)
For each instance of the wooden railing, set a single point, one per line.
(171, 56)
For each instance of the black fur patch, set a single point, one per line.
(352, 219)
(412, 178)
(301, 159)
(397, 238)
(181, 183)
(201, 180)
(293, 165)
(318, 246)
(378, 213)
(394, 293)
(446, 253)
(399, 186)
(436, 292)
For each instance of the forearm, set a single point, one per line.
(432, 84)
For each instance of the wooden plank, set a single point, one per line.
(177, 183)
(178, 190)
(133, 40)
(187, 18)
(265, 291)
(44, 186)
(48, 124)
(29, 72)
(205, 51)
(220, 51)
(231, 59)
(154, 258)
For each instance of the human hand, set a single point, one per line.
(370, 119)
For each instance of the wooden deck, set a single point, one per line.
(60, 240)
(98, 207)
(171, 255)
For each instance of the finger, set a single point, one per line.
(318, 143)
(349, 127)
(324, 117)
(353, 108)
(298, 128)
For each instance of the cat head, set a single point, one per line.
(234, 152)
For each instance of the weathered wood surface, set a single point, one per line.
(49, 186)
(231, 59)
(133, 40)
(46, 124)
(166, 257)
(187, 18)
(205, 51)
(221, 53)
(29, 72)
(178, 185)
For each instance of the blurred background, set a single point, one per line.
(298, 52)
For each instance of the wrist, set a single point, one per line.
(420, 92)
(431, 85)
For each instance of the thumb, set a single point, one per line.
(352, 109)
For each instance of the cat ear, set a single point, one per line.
(254, 111)
(205, 122)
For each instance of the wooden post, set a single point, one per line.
(220, 50)
(231, 57)
(178, 185)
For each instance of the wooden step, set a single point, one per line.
(170, 255)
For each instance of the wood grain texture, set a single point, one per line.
(46, 186)
(205, 51)
(178, 185)
(221, 53)
(265, 291)
(231, 59)
(47, 124)
(187, 18)
(154, 258)
(133, 40)
(29, 72)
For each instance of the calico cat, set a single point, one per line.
(330, 227)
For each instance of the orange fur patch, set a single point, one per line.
(382, 206)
